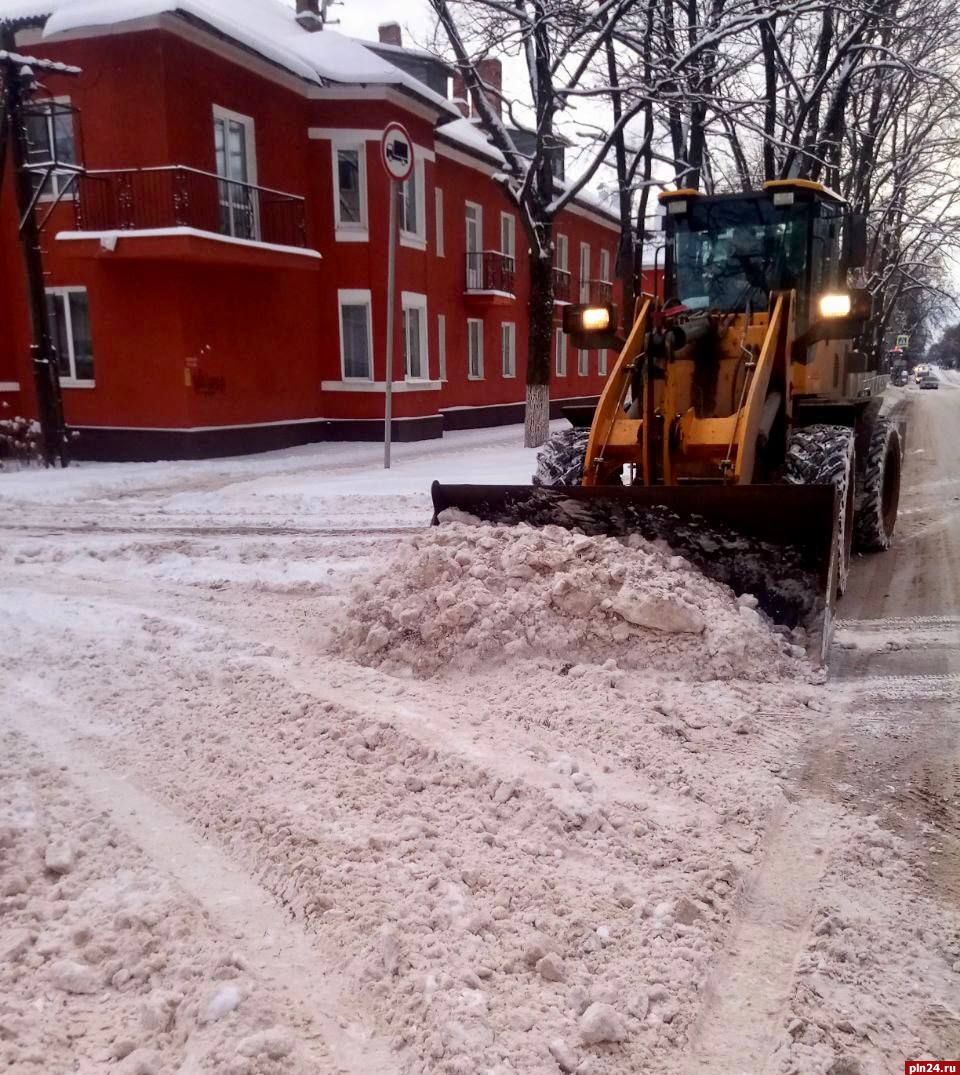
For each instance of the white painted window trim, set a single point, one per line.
(376, 386)
(602, 362)
(347, 232)
(560, 351)
(584, 280)
(508, 331)
(60, 100)
(417, 240)
(479, 375)
(355, 297)
(583, 363)
(475, 276)
(250, 141)
(70, 380)
(511, 220)
(438, 220)
(412, 300)
(605, 265)
(442, 346)
(563, 243)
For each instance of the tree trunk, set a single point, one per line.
(539, 339)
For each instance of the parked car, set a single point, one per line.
(929, 380)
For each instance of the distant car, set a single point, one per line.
(901, 379)
(929, 380)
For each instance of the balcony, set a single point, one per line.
(175, 212)
(561, 285)
(600, 291)
(490, 278)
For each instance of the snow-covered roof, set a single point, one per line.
(267, 27)
(466, 134)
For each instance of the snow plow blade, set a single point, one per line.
(776, 542)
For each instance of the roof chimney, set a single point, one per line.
(308, 14)
(390, 34)
(490, 73)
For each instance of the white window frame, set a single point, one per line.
(478, 376)
(411, 300)
(474, 275)
(56, 177)
(417, 239)
(583, 362)
(71, 380)
(350, 231)
(250, 142)
(355, 297)
(442, 346)
(560, 351)
(508, 354)
(508, 230)
(438, 219)
(602, 362)
(562, 253)
(584, 272)
(605, 265)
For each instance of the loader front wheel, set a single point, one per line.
(824, 455)
(878, 488)
(560, 460)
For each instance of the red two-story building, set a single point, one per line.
(216, 276)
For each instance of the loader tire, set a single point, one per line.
(560, 460)
(824, 455)
(878, 488)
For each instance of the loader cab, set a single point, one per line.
(730, 253)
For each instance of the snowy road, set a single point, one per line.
(226, 846)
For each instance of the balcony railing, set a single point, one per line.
(174, 196)
(601, 292)
(489, 270)
(561, 285)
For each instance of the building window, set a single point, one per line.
(560, 345)
(438, 213)
(508, 235)
(583, 363)
(474, 221)
(410, 205)
(508, 348)
(584, 272)
(442, 345)
(51, 141)
(605, 265)
(350, 191)
(602, 363)
(68, 316)
(474, 349)
(563, 253)
(416, 362)
(235, 149)
(356, 335)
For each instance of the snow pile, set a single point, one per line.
(467, 593)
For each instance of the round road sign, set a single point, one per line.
(396, 152)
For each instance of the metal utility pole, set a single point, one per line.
(18, 84)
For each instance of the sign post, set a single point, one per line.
(396, 153)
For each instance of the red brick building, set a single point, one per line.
(217, 278)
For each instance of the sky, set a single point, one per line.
(360, 18)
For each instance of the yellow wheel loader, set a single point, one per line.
(739, 423)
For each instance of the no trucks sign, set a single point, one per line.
(396, 152)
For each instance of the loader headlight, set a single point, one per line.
(595, 318)
(835, 304)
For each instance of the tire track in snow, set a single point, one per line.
(277, 949)
(747, 995)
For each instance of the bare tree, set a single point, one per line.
(562, 44)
